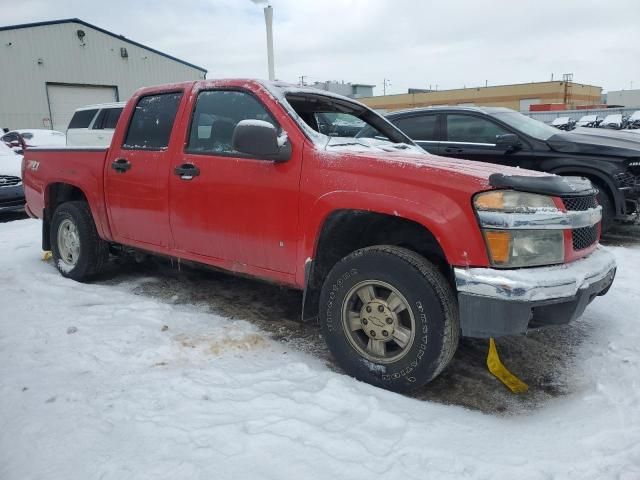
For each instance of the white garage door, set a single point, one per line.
(525, 103)
(64, 99)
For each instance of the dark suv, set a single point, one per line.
(504, 136)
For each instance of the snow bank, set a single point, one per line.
(97, 382)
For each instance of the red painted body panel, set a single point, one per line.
(259, 217)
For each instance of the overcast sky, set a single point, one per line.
(414, 43)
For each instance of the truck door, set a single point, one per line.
(229, 206)
(136, 172)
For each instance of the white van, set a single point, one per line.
(93, 125)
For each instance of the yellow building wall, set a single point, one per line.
(495, 96)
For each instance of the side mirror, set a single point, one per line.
(260, 138)
(508, 140)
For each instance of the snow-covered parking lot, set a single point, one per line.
(158, 373)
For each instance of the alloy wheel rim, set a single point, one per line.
(378, 322)
(68, 242)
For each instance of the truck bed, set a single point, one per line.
(80, 166)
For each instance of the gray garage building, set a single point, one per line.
(49, 69)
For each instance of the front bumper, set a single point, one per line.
(11, 198)
(495, 303)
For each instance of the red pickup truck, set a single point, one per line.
(398, 251)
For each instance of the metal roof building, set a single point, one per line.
(51, 68)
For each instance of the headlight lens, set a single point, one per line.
(634, 165)
(510, 201)
(520, 247)
(524, 248)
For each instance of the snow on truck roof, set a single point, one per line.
(102, 105)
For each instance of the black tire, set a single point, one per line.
(608, 209)
(430, 299)
(93, 251)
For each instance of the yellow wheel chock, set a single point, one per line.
(46, 256)
(499, 371)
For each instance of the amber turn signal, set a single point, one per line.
(499, 245)
(490, 201)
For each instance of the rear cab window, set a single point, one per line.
(82, 118)
(152, 121)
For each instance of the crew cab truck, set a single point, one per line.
(398, 251)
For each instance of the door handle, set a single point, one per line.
(187, 171)
(121, 165)
(453, 150)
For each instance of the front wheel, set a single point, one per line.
(608, 210)
(389, 317)
(78, 252)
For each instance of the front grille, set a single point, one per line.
(627, 180)
(9, 181)
(584, 237)
(580, 203)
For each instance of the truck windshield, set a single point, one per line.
(344, 122)
(527, 125)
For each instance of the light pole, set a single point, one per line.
(268, 19)
(385, 83)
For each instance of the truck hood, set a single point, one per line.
(415, 166)
(594, 144)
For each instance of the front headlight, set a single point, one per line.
(633, 164)
(519, 246)
(510, 201)
(524, 248)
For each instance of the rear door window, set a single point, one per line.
(111, 118)
(418, 127)
(82, 118)
(152, 121)
(97, 124)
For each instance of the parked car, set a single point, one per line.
(503, 136)
(11, 191)
(397, 251)
(564, 123)
(589, 121)
(93, 125)
(634, 121)
(614, 121)
(20, 140)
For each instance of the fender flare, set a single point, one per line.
(99, 218)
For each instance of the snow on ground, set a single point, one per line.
(93, 385)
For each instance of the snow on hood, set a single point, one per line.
(627, 135)
(43, 138)
(10, 162)
(594, 143)
(418, 164)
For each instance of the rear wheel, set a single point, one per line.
(389, 317)
(78, 252)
